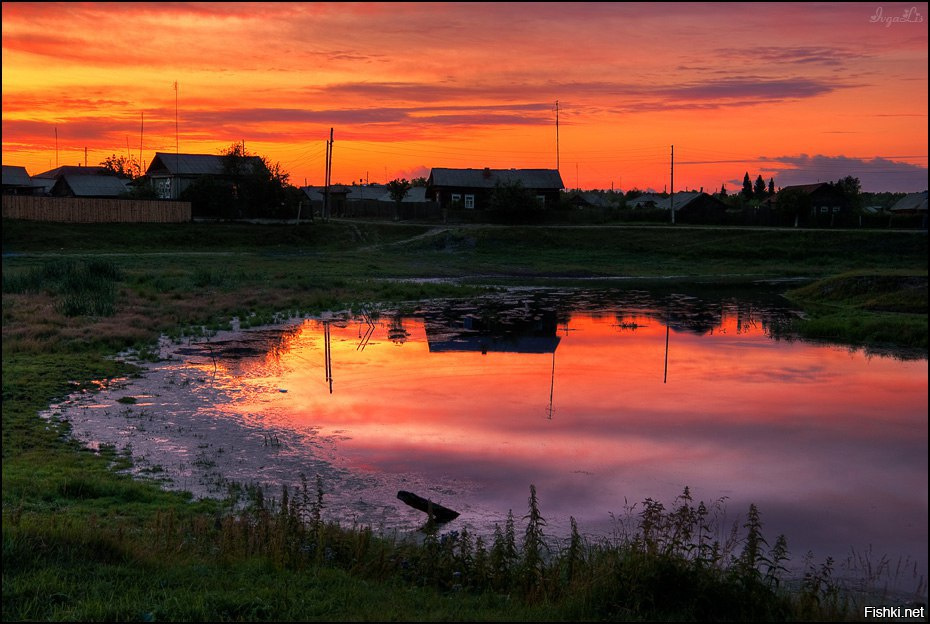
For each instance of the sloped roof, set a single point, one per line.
(16, 176)
(682, 199)
(912, 202)
(190, 164)
(45, 184)
(57, 172)
(646, 198)
(94, 185)
(415, 195)
(806, 188)
(489, 178)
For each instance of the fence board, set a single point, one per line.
(94, 210)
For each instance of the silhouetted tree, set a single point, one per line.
(421, 181)
(398, 189)
(771, 186)
(513, 203)
(250, 187)
(122, 166)
(792, 203)
(851, 190)
(747, 187)
(758, 189)
(723, 190)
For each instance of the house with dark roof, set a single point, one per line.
(646, 200)
(472, 188)
(912, 203)
(171, 173)
(696, 207)
(17, 181)
(57, 172)
(76, 185)
(828, 204)
(589, 199)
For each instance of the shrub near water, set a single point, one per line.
(82, 288)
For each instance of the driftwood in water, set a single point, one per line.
(436, 511)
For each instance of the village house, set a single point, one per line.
(690, 206)
(83, 185)
(828, 205)
(912, 204)
(471, 189)
(17, 181)
(171, 174)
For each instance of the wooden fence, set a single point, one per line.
(94, 210)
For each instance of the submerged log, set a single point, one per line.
(436, 511)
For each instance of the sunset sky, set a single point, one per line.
(802, 92)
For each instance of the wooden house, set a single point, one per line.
(76, 185)
(170, 174)
(471, 189)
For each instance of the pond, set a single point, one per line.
(599, 399)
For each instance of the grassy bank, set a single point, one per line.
(82, 542)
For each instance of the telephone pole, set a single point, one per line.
(671, 198)
(329, 173)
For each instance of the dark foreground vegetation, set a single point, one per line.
(83, 542)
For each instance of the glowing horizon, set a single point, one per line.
(798, 92)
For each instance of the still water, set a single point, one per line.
(598, 400)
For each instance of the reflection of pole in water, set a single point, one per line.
(552, 385)
(363, 340)
(667, 323)
(328, 356)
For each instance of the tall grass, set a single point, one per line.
(81, 288)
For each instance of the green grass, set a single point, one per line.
(84, 542)
(877, 310)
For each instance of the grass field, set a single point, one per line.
(81, 542)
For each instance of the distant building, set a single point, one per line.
(912, 203)
(17, 181)
(690, 206)
(646, 200)
(171, 174)
(589, 199)
(74, 185)
(57, 172)
(472, 188)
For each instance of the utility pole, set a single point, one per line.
(329, 173)
(671, 198)
(326, 183)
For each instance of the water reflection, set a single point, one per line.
(600, 402)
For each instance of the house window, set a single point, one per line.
(456, 198)
(824, 209)
(541, 200)
(836, 209)
(470, 202)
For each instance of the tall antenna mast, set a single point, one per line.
(556, 135)
(177, 143)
